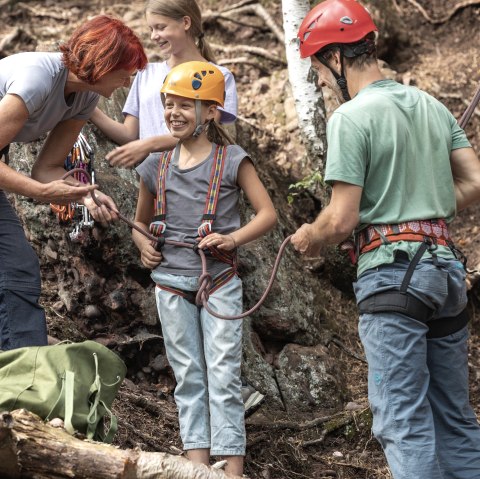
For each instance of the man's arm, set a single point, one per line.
(466, 176)
(334, 224)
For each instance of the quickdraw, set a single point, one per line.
(79, 159)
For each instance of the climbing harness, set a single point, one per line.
(158, 226)
(205, 281)
(401, 301)
(79, 159)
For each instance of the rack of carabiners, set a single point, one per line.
(80, 159)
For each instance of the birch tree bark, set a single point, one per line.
(308, 97)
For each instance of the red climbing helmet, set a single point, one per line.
(331, 22)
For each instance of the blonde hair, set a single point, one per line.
(176, 10)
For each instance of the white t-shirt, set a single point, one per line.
(144, 102)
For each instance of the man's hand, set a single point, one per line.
(128, 155)
(61, 192)
(105, 213)
(149, 256)
(305, 241)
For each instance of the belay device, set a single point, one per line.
(80, 157)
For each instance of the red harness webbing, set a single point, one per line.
(374, 236)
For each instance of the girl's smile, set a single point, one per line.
(169, 34)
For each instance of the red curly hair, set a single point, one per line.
(100, 46)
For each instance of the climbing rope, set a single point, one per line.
(205, 281)
(470, 109)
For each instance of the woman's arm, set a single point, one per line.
(13, 116)
(143, 216)
(120, 133)
(265, 218)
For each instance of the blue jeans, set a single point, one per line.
(205, 354)
(418, 387)
(22, 319)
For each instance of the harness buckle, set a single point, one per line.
(160, 243)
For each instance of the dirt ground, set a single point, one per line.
(436, 47)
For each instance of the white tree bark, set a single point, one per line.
(308, 97)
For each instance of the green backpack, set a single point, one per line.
(76, 382)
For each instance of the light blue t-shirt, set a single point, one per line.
(395, 142)
(144, 101)
(39, 79)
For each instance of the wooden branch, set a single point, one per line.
(29, 448)
(243, 61)
(238, 5)
(260, 11)
(448, 16)
(44, 13)
(252, 50)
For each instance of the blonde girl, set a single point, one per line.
(176, 27)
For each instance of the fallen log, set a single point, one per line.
(30, 448)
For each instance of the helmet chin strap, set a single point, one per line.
(339, 77)
(200, 128)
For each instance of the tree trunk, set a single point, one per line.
(29, 448)
(308, 97)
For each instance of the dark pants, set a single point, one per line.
(22, 319)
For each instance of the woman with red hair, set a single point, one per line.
(53, 93)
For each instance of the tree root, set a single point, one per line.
(448, 16)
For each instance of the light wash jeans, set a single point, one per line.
(205, 354)
(418, 388)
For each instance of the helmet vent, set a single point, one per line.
(346, 20)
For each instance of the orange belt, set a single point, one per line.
(373, 236)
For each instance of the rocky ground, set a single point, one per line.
(432, 44)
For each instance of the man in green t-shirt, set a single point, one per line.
(400, 167)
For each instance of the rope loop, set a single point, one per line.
(205, 283)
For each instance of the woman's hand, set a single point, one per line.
(61, 192)
(222, 242)
(105, 213)
(149, 256)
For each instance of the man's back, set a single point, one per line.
(395, 141)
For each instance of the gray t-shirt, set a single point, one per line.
(186, 192)
(39, 80)
(144, 101)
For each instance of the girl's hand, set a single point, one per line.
(128, 155)
(222, 242)
(149, 256)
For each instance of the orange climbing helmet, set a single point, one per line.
(196, 80)
(334, 22)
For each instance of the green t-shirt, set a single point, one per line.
(395, 142)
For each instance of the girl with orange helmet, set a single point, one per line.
(176, 27)
(191, 194)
